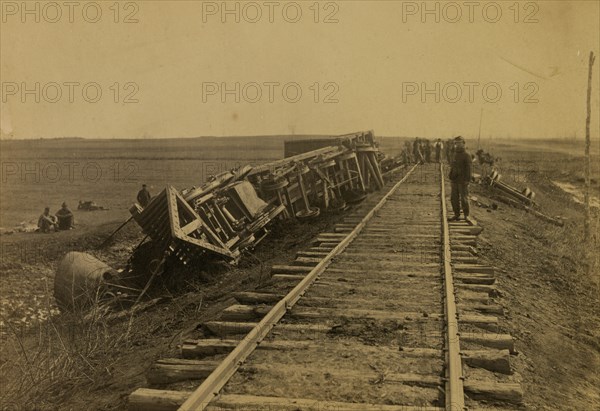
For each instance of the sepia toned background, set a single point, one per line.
(153, 60)
(101, 97)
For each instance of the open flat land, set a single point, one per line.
(549, 286)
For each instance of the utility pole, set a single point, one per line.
(479, 135)
(587, 229)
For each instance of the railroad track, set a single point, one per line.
(391, 311)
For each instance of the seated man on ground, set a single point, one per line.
(46, 222)
(66, 219)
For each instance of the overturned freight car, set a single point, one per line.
(230, 212)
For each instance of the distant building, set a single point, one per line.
(295, 147)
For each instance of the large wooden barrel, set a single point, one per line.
(80, 279)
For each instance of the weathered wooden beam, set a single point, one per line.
(238, 312)
(487, 322)
(171, 370)
(311, 253)
(465, 260)
(485, 390)
(230, 328)
(421, 380)
(474, 230)
(491, 290)
(287, 277)
(492, 360)
(474, 268)
(499, 341)
(250, 402)
(307, 261)
(247, 297)
(145, 399)
(290, 269)
(249, 312)
(207, 347)
(483, 308)
(476, 278)
(227, 328)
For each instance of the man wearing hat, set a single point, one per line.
(66, 219)
(144, 196)
(460, 176)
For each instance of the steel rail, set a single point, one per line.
(455, 395)
(211, 386)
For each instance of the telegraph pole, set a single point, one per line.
(587, 229)
(479, 135)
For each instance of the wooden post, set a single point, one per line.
(479, 134)
(587, 229)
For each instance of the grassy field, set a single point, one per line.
(48, 172)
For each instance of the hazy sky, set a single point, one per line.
(365, 68)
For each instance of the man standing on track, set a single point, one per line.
(417, 153)
(427, 151)
(460, 176)
(438, 150)
(449, 150)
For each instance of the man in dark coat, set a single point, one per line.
(438, 150)
(427, 151)
(417, 153)
(450, 150)
(144, 196)
(66, 219)
(460, 175)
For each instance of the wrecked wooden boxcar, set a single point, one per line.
(230, 211)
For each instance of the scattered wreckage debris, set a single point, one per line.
(22, 227)
(484, 157)
(90, 206)
(82, 280)
(525, 196)
(480, 203)
(523, 199)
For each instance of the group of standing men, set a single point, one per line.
(422, 150)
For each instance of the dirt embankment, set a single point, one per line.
(549, 284)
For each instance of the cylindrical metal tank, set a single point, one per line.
(79, 279)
